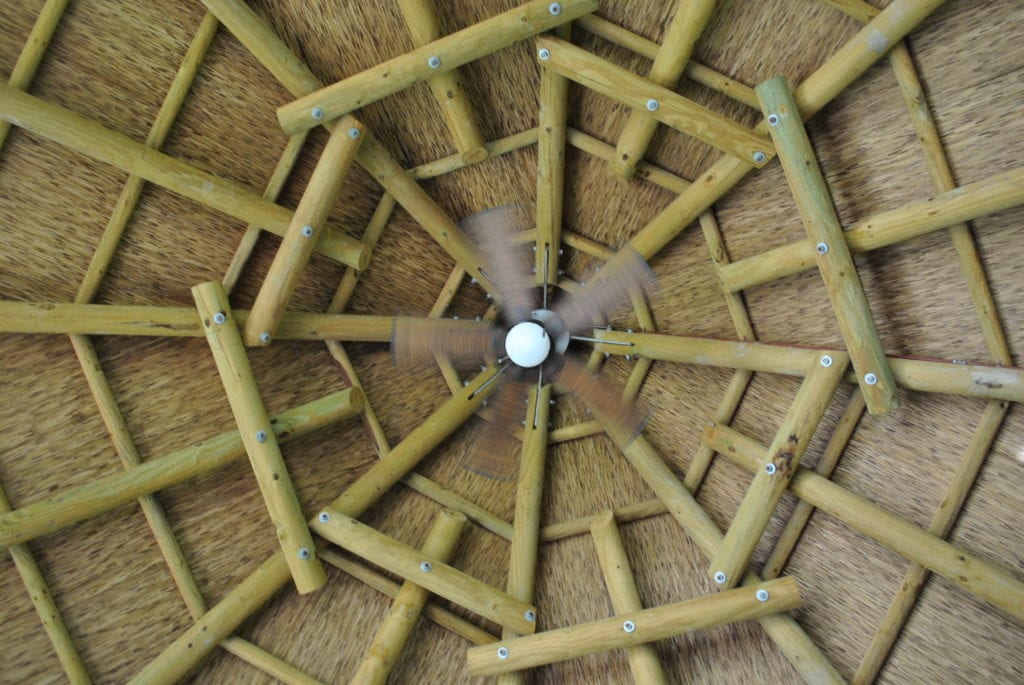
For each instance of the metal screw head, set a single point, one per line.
(502, 652)
(628, 626)
(219, 317)
(354, 133)
(530, 615)
(261, 436)
(434, 62)
(317, 113)
(773, 119)
(307, 231)
(762, 595)
(473, 281)
(653, 105)
(544, 54)
(324, 517)
(425, 566)
(870, 378)
(770, 469)
(264, 337)
(555, 9)
(304, 553)
(720, 578)
(759, 157)
(822, 248)
(561, 252)
(826, 361)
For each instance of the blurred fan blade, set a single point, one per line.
(624, 418)
(607, 291)
(417, 340)
(495, 454)
(508, 264)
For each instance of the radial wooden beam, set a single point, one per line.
(552, 129)
(389, 642)
(436, 57)
(669, 63)
(447, 88)
(303, 232)
(949, 377)
(94, 140)
(974, 574)
(258, 436)
(618, 578)
(994, 194)
(835, 263)
(634, 628)
(654, 101)
(425, 570)
(777, 468)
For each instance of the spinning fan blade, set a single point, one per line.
(625, 418)
(508, 264)
(609, 290)
(496, 453)
(417, 340)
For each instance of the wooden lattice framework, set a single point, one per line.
(652, 101)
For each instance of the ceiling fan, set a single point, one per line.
(531, 340)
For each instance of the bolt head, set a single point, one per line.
(653, 105)
(425, 566)
(628, 626)
(530, 615)
(762, 595)
(759, 157)
(870, 378)
(502, 652)
(261, 436)
(307, 231)
(555, 9)
(773, 119)
(822, 248)
(354, 133)
(324, 517)
(720, 578)
(264, 337)
(826, 361)
(770, 469)
(544, 54)
(317, 114)
(434, 62)
(304, 553)
(219, 317)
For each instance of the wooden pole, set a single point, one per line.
(777, 467)
(424, 570)
(669, 63)
(582, 525)
(192, 646)
(842, 283)
(62, 509)
(618, 577)
(993, 194)
(267, 662)
(258, 436)
(949, 377)
(436, 57)
(646, 171)
(303, 231)
(94, 140)
(652, 100)
(392, 635)
(634, 628)
(979, 577)
(496, 148)
(46, 607)
(447, 88)
(552, 128)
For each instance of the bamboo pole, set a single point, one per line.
(258, 436)
(949, 377)
(794, 528)
(62, 509)
(634, 628)
(158, 133)
(389, 642)
(687, 24)
(447, 88)
(285, 163)
(777, 467)
(306, 224)
(835, 263)
(695, 71)
(32, 52)
(974, 200)
(424, 570)
(437, 57)
(618, 577)
(192, 646)
(791, 639)
(384, 585)
(941, 525)
(46, 607)
(94, 140)
(653, 100)
(974, 574)
(552, 128)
